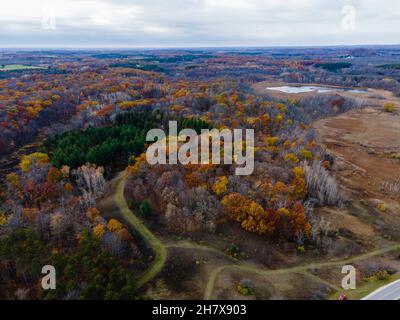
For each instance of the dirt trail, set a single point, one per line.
(195, 246)
(347, 135)
(363, 142)
(366, 144)
(158, 248)
(298, 269)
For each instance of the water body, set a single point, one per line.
(316, 89)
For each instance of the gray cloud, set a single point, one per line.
(149, 23)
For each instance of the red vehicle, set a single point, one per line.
(342, 297)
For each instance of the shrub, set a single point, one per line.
(132, 203)
(144, 208)
(243, 291)
(390, 107)
(382, 275)
(381, 207)
(245, 287)
(233, 250)
(301, 249)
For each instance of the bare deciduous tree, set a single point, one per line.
(321, 185)
(91, 182)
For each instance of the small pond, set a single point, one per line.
(316, 89)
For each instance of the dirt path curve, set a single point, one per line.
(298, 269)
(195, 246)
(156, 245)
(160, 250)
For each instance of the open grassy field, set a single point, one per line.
(14, 67)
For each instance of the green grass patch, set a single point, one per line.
(13, 67)
(364, 288)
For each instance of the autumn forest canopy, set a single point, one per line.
(75, 176)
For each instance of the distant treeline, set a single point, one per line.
(178, 58)
(333, 66)
(110, 56)
(134, 65)
(394, 66)
(5, 74)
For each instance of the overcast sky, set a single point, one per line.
(198, 23)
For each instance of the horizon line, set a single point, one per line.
(102, 47)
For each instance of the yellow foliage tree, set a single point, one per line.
(256, 219)
(305, 154)
(291, 158)
(13, 179)
(279, 118)
(114, 225)
(279, 188)
(138, 162)
(281, 107)
(251, 216)
(3, 219)
(37, 157)
(286, 144)
(299, 186)
(235, 204)
(99, 231)
(272, 141)
(220, 186)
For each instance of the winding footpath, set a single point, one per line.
(302, 269)
(160, 251)
(156, 245)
